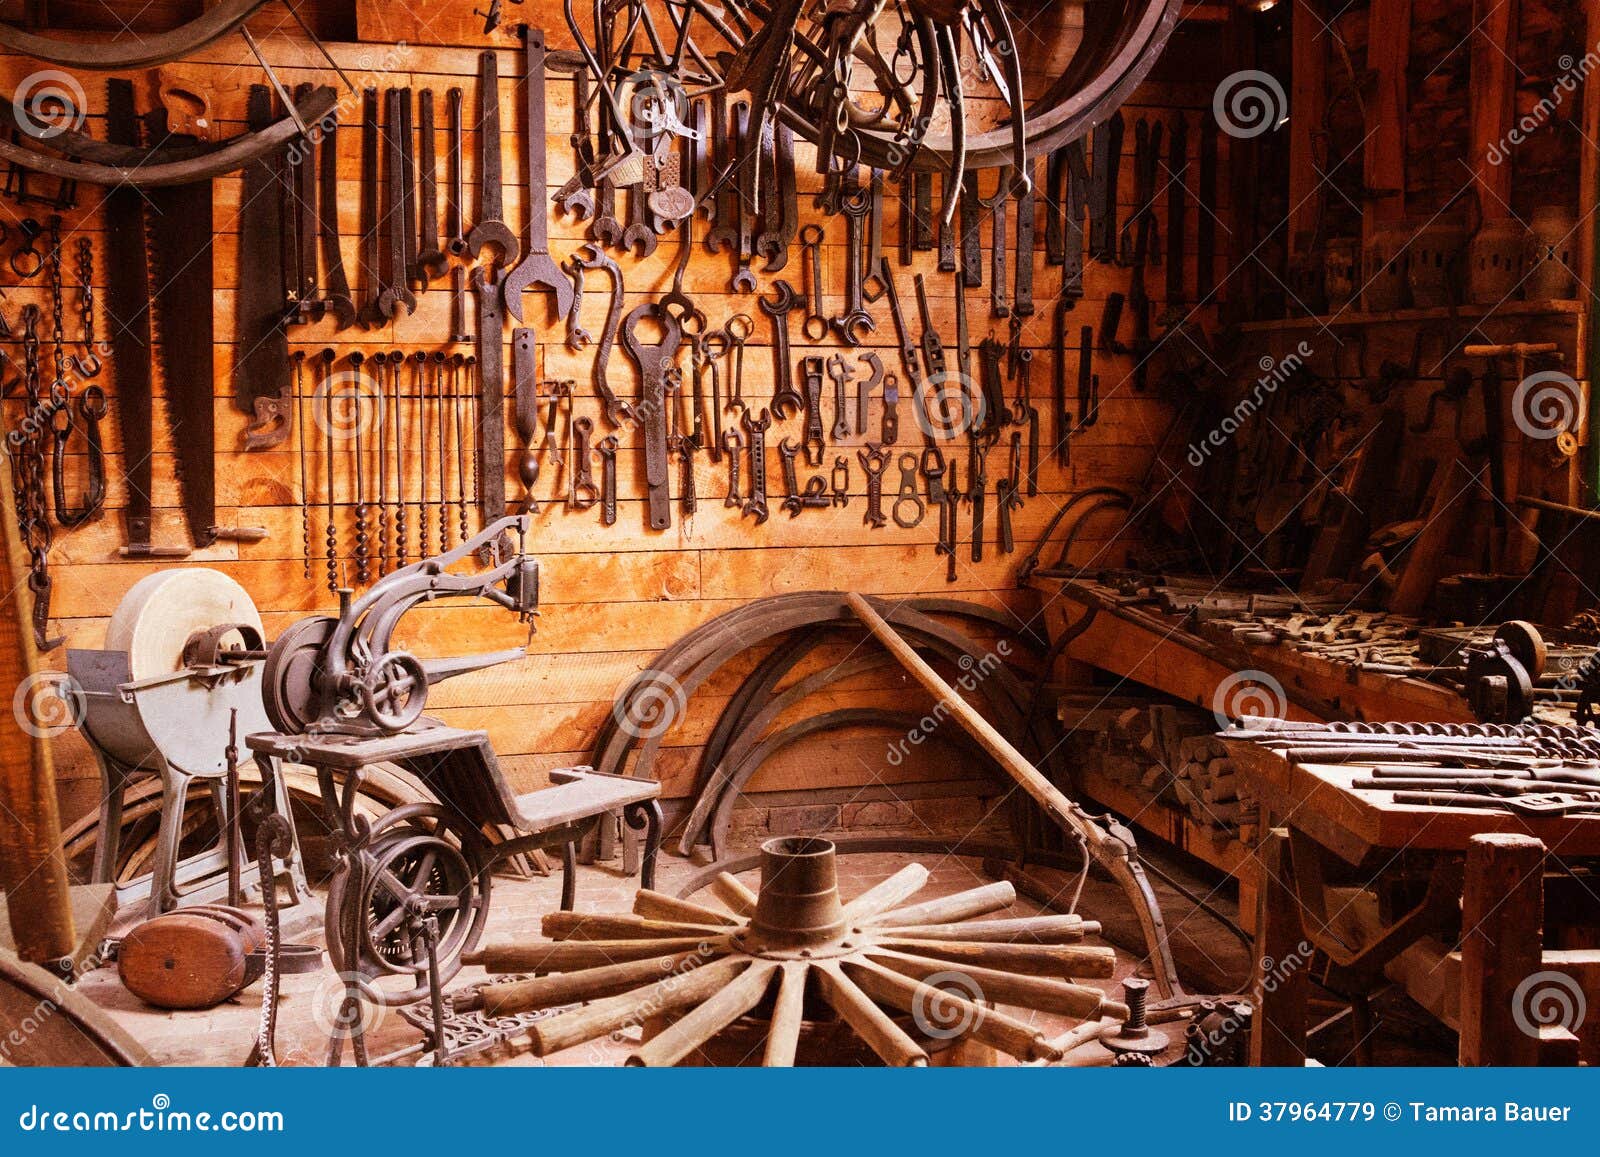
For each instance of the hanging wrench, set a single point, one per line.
(874, 461)
(786, 400)
(756, 428)
(538, 268)
(490, 229)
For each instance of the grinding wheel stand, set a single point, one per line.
(183, 656)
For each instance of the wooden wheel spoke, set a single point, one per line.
(653, 905)
(1064, 961)
(696, 1027)
(887, 894)
(588, 926)
(949, 909)
(788, 1017)
(631, 1008)
(568, 956)
(927, 1004)
(871, 1023)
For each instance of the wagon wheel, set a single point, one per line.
(55, 1025)
(883, 60)
(417, 863)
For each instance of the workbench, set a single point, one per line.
(1470, 889)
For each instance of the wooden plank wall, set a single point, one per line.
(614, 596)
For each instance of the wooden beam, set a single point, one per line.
(1308, 106)
(33, 872)
(1491, 97)
(1384, 163)
(1502, 922)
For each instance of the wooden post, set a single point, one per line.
(33, 871)
(1278, 1036)
(1502, 922)
(1589, 261)
(1491, 96)
(1308, 104)
(1384, 164)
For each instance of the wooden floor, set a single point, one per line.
(222, 1036)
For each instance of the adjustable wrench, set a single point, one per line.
(491, 228)
(538, 268)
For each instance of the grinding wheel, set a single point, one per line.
(161, 611)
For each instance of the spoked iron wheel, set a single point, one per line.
(415, 866)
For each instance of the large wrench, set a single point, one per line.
(756, 428)
(856, 203)
(616, 409)
(653, 362)
(491, 228)
(538, 268)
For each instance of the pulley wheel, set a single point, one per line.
(162, 611)
(1526, 645)
(416, 861)
(395, 691)
(290, 675)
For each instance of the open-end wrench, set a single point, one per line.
(772, 244)
(788, 451)
(756, 430)
(840, 373)
(490, 228)
(738, 329)
(584, 493)
(856, 203)
(815, 326)
(971, 245)
(575, 196)
(841, 481)
(733, 443)
(538, 268)
(874, 461)
(431, 259)
(724, 191)
(455, 241)
(392, 259)
(786, 400)
(811, 439)
(408, 193)
(653, 362)
(578, 338)
(865, 387)
(337, 295)
(947, 231)
(743, 280)
(607, 451)
(872, 284)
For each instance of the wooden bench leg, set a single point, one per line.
(569, 875)
(1279, 1036)
(1502, 925)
